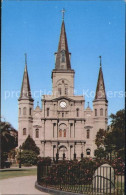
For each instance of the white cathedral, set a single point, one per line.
(63, 127)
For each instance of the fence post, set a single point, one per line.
(38, 172)
(110, 180)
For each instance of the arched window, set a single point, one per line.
(88, 133)
(63, 56)
(30, 111)
(59, 91)
(24, 111)
(64, 132)
(95, 112)
(37, 133)
(66, 91)
(88, 151)
(60, 133)
(63, 114)
(77, 112)
(101, 112)
(24, 131)
(19, 111)
(47, 111)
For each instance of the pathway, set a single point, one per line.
(20, 185)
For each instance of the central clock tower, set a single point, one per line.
(63, 75)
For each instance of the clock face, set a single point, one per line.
(62, 104)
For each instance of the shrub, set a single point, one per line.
(71, 172)
(44, 161)
(28, 158)
(119, 166)
(100, 153)
(75, 172)
(29, 144)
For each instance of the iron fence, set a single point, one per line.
(78, 179)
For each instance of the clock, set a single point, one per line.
(62, 104)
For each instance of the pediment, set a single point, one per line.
(62, 97)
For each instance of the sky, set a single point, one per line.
(93, 28)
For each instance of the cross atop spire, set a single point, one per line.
(100, 61)
(63, 11)
(25, 58)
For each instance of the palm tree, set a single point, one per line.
(8, 141)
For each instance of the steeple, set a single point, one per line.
(63, 55)
(100, 90)
(25, 89)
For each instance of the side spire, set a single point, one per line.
(63, 55)
(100, 90)
(25, 89)
(25, 61)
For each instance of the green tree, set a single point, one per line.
(118, 120)
(28, 158)
(29, 144)
(113, 140)
(100, 136)
(8, 140)
(100, 153)
(115, 137)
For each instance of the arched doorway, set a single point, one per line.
(62, 152)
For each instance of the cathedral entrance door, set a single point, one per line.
(62, 152)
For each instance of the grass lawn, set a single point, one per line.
(17, 173)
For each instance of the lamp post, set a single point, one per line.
(70, 151)
(74, 151)
(53, 153)
(110, 155)
(57, 154)
(20, 157)
(84, 148)
(81, 151)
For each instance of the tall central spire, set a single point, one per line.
(63, 55)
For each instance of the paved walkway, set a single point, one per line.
(20, 185)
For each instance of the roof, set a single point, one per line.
(25, 89)
(100, 90)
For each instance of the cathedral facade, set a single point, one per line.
(63, 127)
